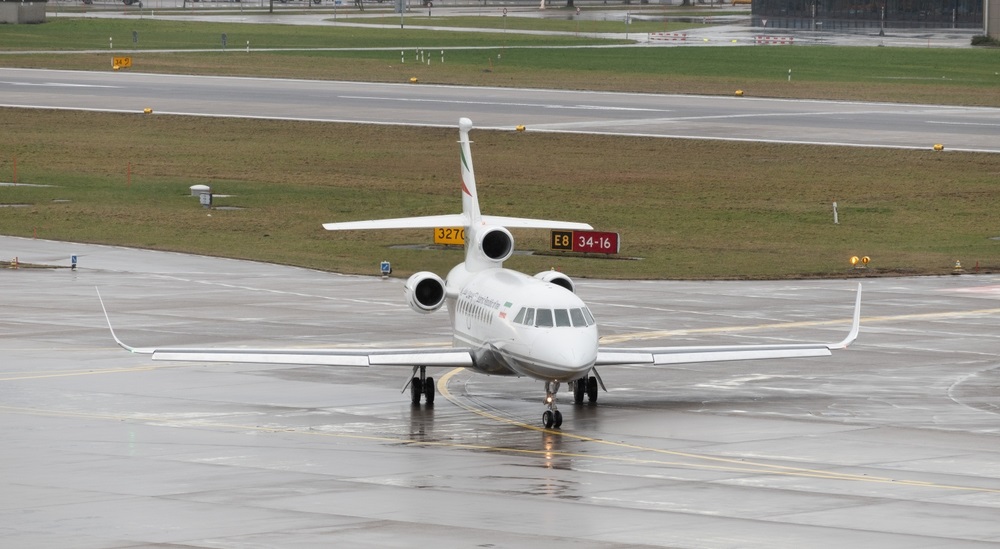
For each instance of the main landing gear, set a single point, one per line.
(421, 386)
(585, 386)
(552, 418)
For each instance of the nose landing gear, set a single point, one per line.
(551, 418)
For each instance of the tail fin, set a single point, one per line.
(477, 226)
(470, 198)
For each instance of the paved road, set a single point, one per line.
(700, 117)
(891, 444)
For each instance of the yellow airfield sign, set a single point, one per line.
(449, 235)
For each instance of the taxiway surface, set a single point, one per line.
(676, 116)
(892, 443)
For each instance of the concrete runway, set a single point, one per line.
(892, 443)
(678, 116)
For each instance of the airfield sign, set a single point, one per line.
(449, 235)
(596, 242)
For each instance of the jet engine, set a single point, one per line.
(557, 278)
(497, 244)
(424, 292)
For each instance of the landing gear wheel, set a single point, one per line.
(579, 390)
(592, 389)
(416, 389)
(557, 420)
(548, 419)
(429, 390)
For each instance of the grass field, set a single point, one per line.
(69, 34)
(686, 209)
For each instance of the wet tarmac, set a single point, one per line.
(892, 443)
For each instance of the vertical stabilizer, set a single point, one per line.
(488, 243)
(470, 198)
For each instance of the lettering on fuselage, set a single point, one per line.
(474, 305)
(481, 300)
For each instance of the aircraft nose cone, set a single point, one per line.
(578, 356)
(571, 354)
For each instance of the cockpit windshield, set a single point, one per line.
(555, 318)
(543, 318)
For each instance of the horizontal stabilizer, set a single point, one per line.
(453, 220)
(525, 223)
(425, 222)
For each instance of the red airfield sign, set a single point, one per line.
(595, 242)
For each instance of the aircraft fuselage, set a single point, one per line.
(490, 310)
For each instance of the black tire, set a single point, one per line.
(429, 390)
(579, 390)
(416, 389)
(557, 423)
(592, 389)
(548, 419)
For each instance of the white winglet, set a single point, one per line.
(855, 324)
(118, 341)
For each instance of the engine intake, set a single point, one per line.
(497, 244)
(557, 278)
(424, 292)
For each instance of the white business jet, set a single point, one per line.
(505, 322)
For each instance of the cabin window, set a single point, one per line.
(543, 318)
(578, 319)
(562, 318)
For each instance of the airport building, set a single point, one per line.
(865, 15)
(14, 12)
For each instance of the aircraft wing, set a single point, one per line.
(660, 356)
(408, 357)
(440, 356)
